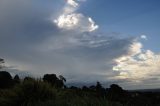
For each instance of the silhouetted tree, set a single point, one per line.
(5, 79)
(28, 79)
(116, 88)
(116, 93)
(54, 81)
(100, 90)
(16, 79)
(98, 86)
(50, 78)
(62, 78)
(74, 88)
(92, 87)
(60, 82)
(1, 62)
(85, 88)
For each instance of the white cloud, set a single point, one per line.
(138, 64)
(135, 48)
(143, 37)
(76, 22)
(72, 3)
(68, 21)
(92, 25)
(71, 20)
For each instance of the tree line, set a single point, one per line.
(51, 90)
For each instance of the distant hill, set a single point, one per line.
(146, 90)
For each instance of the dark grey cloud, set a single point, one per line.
(24, 24)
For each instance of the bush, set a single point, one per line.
(5, 80)
(29, 93)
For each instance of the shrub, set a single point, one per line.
(29, 93)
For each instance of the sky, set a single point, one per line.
(111, 41)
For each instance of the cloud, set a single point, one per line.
(83, 55)
(92, 25)
(76, 21)
(135, 48)
(21, 30)
(71, 20)
(55, 38)
(35, 44)
(144, 37)
(137, 64)
(72, 3)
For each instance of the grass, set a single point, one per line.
(39, 93)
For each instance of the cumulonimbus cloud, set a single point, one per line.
(70, 45)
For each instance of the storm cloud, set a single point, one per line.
(50, 36)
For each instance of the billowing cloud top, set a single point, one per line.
(71, 20)
(72, 3)
(69, 44)
(138, 64)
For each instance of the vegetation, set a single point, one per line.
(36, 92)
(52, 91)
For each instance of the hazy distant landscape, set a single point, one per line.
(79, 52)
